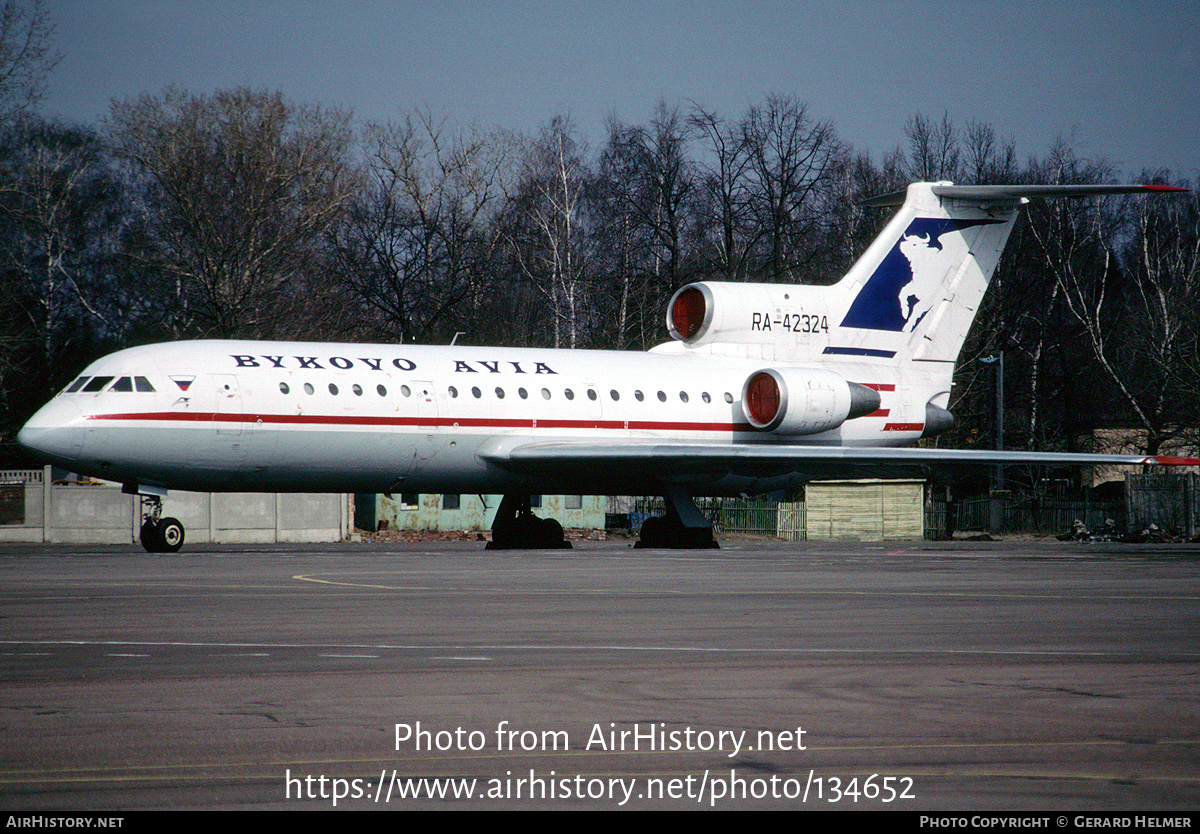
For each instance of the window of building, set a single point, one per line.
(573, 502)
(450, 502)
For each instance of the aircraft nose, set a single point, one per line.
(56, 432)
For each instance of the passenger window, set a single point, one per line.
(357, 389)
(728, 397)
(591, 393)
(499, 393)
(639, 396)
(545, 393)
(683, 396)
(522, 393)
(124, 385)
(452, 391)
(476, 393)
(704, 396)
(613, 393)
(662, 397)
(333, 389)
(143, 385)
(569, 394)
(283, 388)
(308, 389)
(382, 391)
(405, 390)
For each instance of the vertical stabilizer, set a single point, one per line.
(917, 288)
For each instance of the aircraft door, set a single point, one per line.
(228, 412)
(423, 441)
(427, 407)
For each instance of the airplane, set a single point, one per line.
(763, 387)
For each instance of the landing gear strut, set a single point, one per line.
(159, 535)
(517, 528)
(683, 527)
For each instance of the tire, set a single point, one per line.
(151, 540)
(551, 533)
(654, 532)
(171, 534)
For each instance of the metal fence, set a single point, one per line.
(1169, 501)
(1022, 514)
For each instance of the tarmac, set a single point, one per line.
(984, 677)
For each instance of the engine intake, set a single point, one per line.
(803, 400)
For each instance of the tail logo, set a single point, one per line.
(904, 286)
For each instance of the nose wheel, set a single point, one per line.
(159, 535)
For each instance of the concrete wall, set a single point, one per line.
(102, 514)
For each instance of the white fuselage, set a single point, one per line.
(246, 415)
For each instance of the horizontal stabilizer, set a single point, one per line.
(1013, 193)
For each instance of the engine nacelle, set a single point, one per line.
(716, 311)
(803, 400)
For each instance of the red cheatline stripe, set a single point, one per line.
(903, 426)
(879, 412)
(473, 422)
(879, 386)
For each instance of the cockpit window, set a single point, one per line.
(96, 384)
(123, 384)
(143, 385)
(77, 384)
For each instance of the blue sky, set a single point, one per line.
(1120, 79)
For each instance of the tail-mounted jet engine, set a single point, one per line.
(715, 311)
(803, 400)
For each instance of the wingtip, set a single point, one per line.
(1169, 460)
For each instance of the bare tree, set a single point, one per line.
(793, 167)
(547, 237)
(61, 214)
(26, 57)
(240, 189)
(933, 152)
(645, 193)
(725, 190)
(988, 159)
(1137, 313)
(420, 246)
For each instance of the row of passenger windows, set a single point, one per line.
(500, 393)
(91, 385)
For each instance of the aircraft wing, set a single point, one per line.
(668, 461)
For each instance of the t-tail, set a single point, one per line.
(911, 297)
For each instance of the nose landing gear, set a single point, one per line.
(159, 535)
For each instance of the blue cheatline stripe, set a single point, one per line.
(851, 351)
